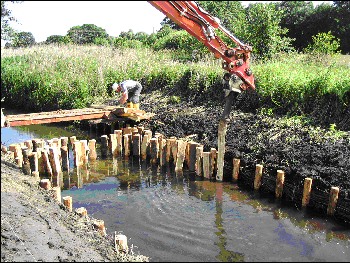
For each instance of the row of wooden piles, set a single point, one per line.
(48, 159)
(51, 157)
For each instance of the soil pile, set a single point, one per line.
(34, 227)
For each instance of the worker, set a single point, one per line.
(131, 91)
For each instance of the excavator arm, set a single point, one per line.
(203, 26)
(200, 24)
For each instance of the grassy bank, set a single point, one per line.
(65, 77)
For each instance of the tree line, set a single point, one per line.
(270, 28)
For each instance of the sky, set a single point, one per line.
(47, 18)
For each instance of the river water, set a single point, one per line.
(178, 217)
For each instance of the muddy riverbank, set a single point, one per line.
(35, 228)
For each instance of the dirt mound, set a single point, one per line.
(34, 227)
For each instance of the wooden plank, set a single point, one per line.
(110, 113)
(55, 116)
(105, 107)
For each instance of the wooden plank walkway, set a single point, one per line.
(94, 112)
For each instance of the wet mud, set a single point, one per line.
(36, 228)
(301, 149)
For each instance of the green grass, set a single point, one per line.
(71, 76)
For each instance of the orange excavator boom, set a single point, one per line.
(200, 24)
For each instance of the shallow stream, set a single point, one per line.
(173, 217)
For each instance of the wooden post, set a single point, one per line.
(235, 170)
(136, 144)
(307, 191)
(76, 153)
(121, 243)
(26, 163)
(35, 143)
(16, 149)
(18, 161)
(92, 150)
(144, 146)
(168, 149)
(180, 156)
(33, 161)
(333, 199)
(148, 132)
(72, 139)
(55, 164)
(29, 145)
(36, 175)
(119, 136)
(154, 149)
(67, 201)
(56, 193)
(279, 183)
(127, 130)
(126, 145)
(206, 165)
(41, 143)
(100, 226)
(64, 141)
(187, 154)
(192, 156)
(222, 129)
(84, 151)
(50, 143)
(199, 160)
(104, 146)
(41, 165)
(81, 211)
(162, 151)
(46, 162)
(213, 162)
(65, 158)
(140, 129)
(174, 149)
(56, 142)
(258, 175)
(45, 183)
(113, 140)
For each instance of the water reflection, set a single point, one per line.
(176, 216)
(195, 219)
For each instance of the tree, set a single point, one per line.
(342, 17)
(230, 13)
(168, 22)
(294, 15)
(141, 36)
(23, 39)
(263, 30)
(324, 44)
(127, 35)
(86, 33)
(304, 21)
(7, 32)
(57, 39)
